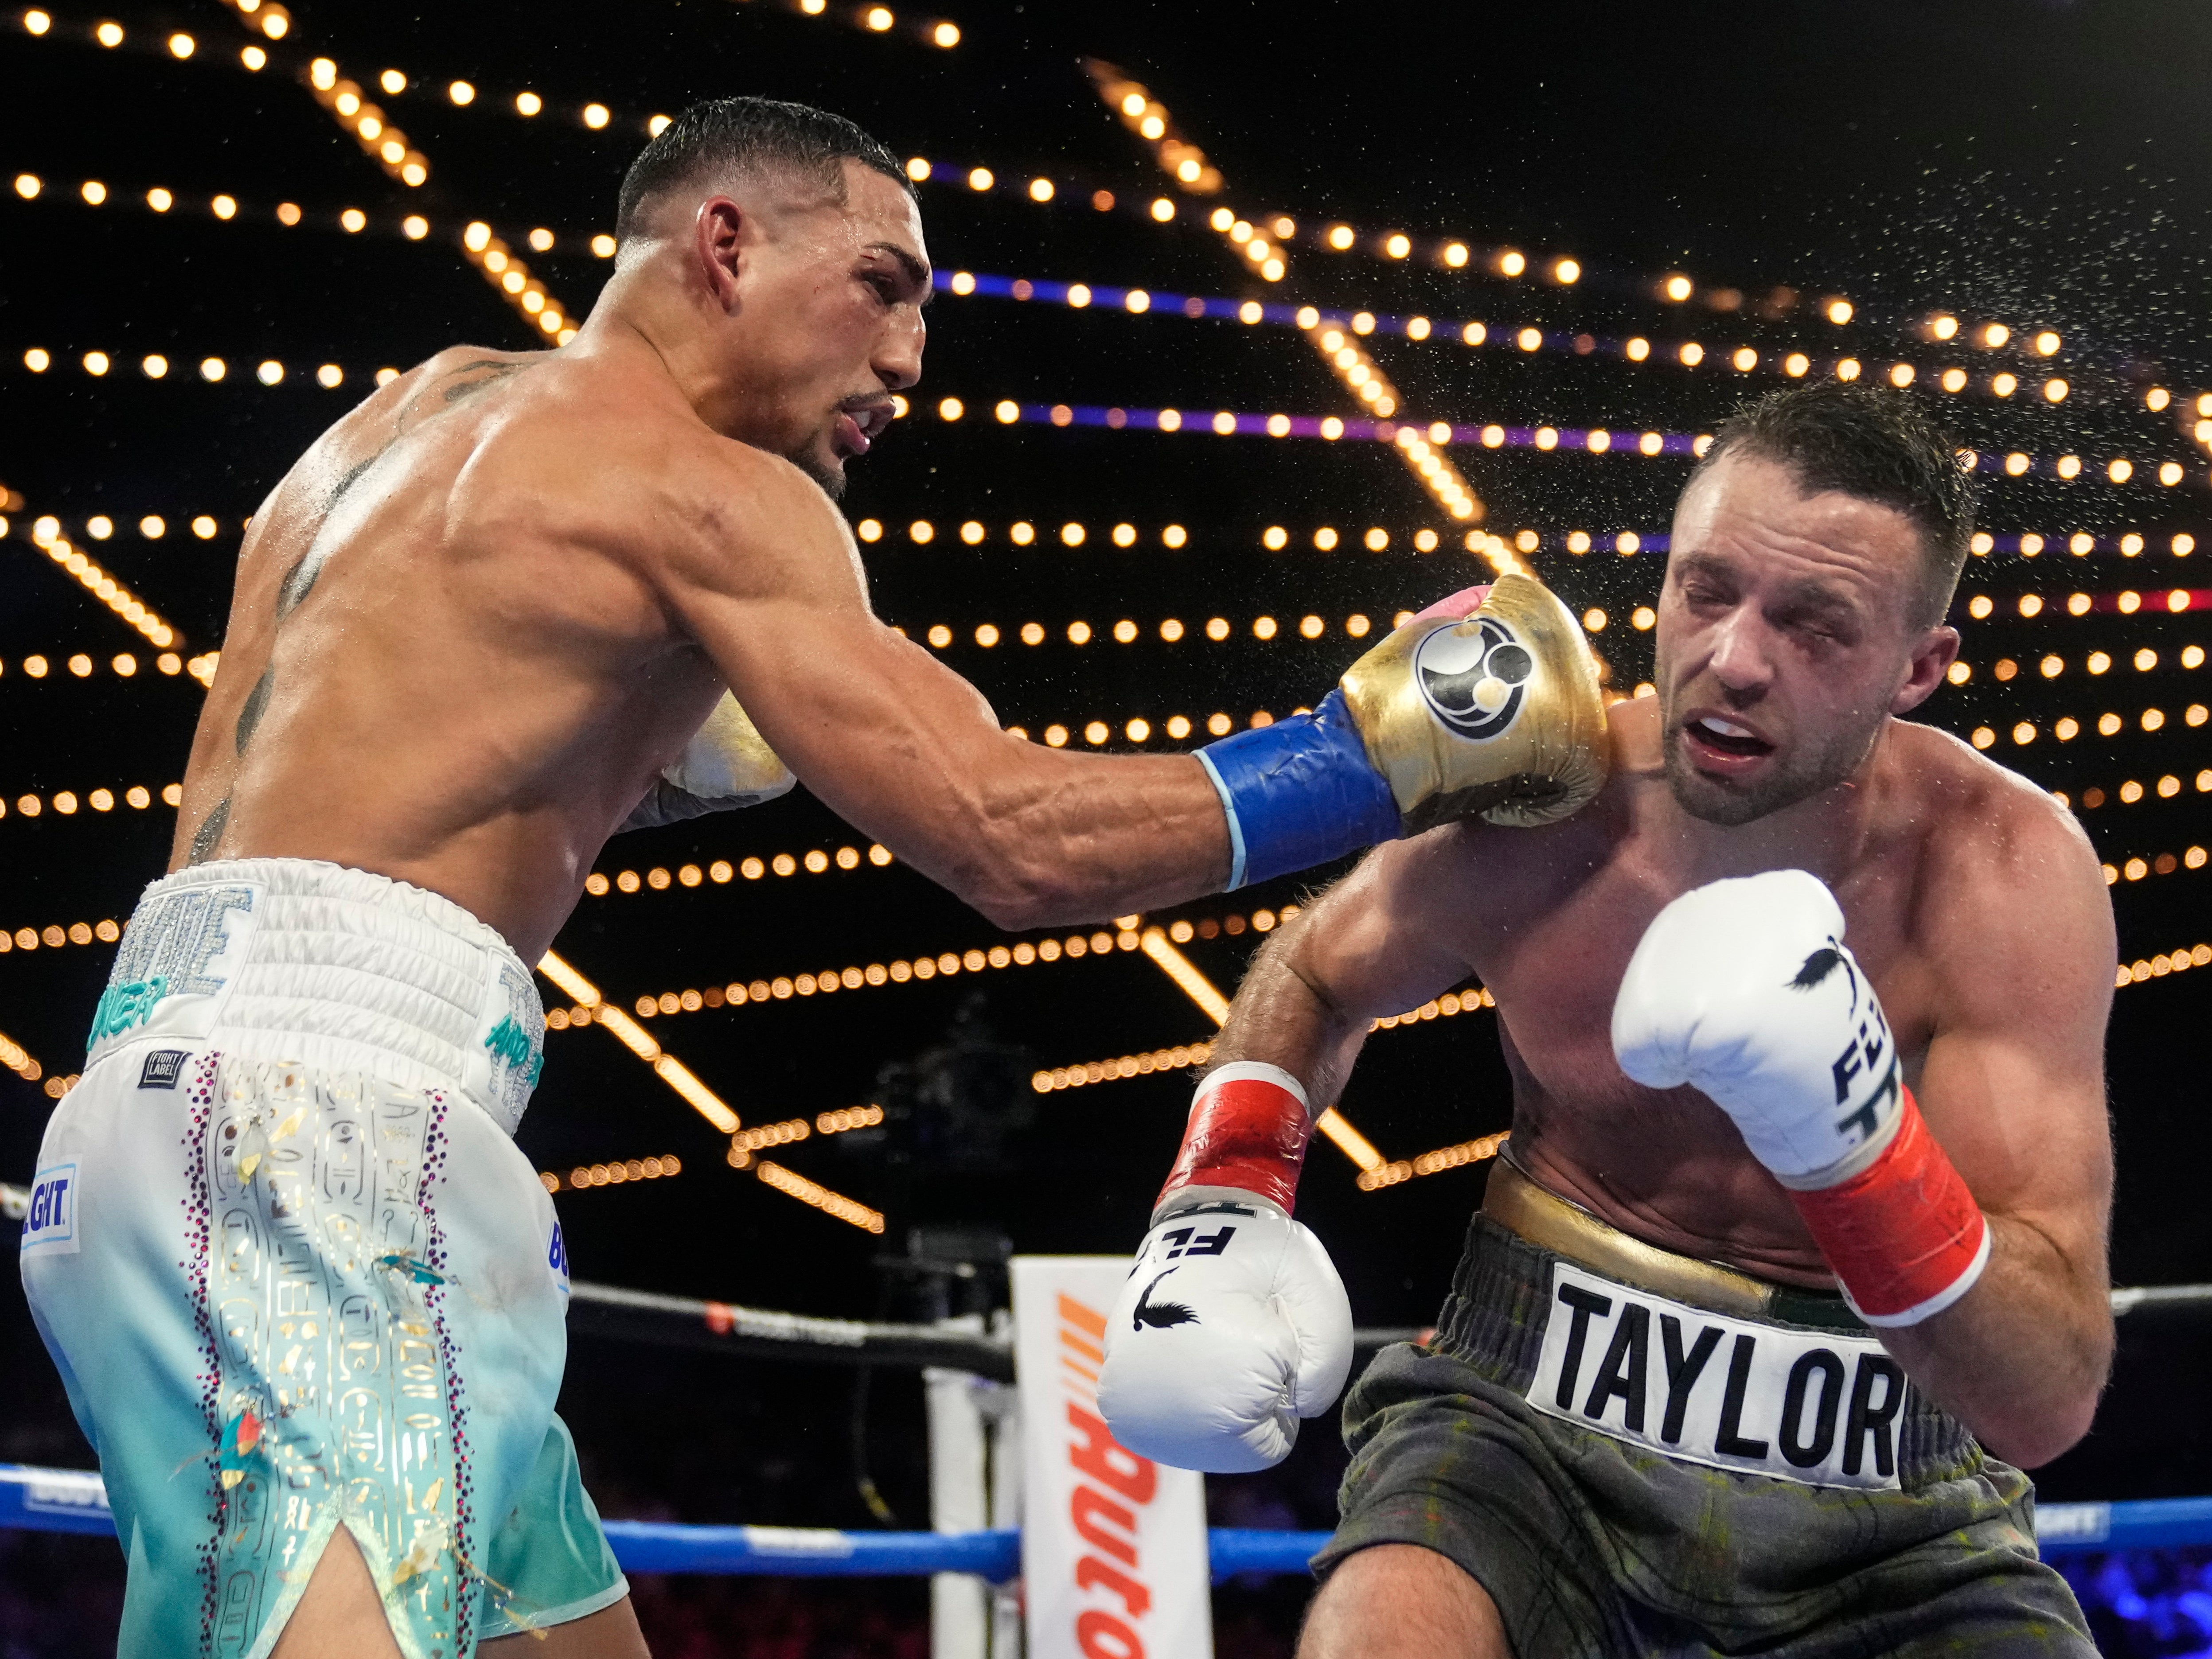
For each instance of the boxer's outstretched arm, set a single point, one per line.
(2013, 1087)
(766, 578)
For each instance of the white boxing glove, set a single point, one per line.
(1232, 1328)
(1743, 989)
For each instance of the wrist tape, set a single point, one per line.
(1904, 1235)
(1248, 1127)
(1299, 792)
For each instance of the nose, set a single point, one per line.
(897, 361)
(1741, 659)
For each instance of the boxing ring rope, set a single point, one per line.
(75, 1500)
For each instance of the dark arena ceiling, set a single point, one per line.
(1533, 235)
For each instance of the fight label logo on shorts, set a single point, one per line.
(1474, 683)
(1819, 1409)
(50, 1223)
(163, 1068)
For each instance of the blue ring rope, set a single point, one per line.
(74, 1500)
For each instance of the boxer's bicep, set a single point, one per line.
(1386, 938)
(902, 748)
(2012, 1084)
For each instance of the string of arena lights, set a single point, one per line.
(815, 862)
(1525, 338)
(151, 526)
(1421, 444)
(82, 664)
(1058, 1077)
(2123, 602)
(1397, 247)
(55, 937)
(1183, 161)
(100, 584)
(524, 102)
(213, 370)
(391, 149)
(478, 237)
(1359, 372)
(1124, 936)
(2127, 793)
(66, 801)
(1275, 538)
(703, 1100)
(2067, 728)
(17, 1059)
(2146, 660)
(367, 122)
(495, 258)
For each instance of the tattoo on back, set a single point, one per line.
(489, 372)
(209, 832)
(256, 705)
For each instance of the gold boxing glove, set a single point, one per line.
(1487, 702)
(727, 764)
(1499, 713)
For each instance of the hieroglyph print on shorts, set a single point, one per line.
(335, 1393)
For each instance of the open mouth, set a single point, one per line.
(857, 428)
(1721, 737)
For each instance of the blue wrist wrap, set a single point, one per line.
(1299, 792)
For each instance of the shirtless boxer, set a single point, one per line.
(303, 1290)
(1649, 1422)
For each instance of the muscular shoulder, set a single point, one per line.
(2000, 866)
(1979, 820)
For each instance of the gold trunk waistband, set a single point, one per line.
(1545, 1219)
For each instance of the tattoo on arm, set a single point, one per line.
(209, 832)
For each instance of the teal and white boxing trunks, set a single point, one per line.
(296, 1275)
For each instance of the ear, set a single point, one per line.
(1937, 650)
(719, 234)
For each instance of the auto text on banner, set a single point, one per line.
(1114, 1558)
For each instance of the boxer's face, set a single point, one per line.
(1786, 634)
(824, 321)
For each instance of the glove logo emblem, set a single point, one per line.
(1160, 1315)
(1474, 683)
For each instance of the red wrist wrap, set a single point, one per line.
(1903, 1232)
(1244, 1132)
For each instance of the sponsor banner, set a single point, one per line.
(1114, 1556)
(49, 1220)
(1817, 1407)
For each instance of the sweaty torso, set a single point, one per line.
(1561, 910)
(434, 670)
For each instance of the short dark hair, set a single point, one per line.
(1874, 443)
(740, 133)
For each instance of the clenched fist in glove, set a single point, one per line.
(1744, 990)
(1234, 1324)
(1485, 703)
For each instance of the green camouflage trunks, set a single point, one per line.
(1628, 1474)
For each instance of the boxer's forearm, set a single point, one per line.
(1048, 838)
(1286, 1015)
(2021, 1357)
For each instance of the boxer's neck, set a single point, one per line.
(1824, 833)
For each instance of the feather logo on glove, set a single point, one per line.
(1160, 1315)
